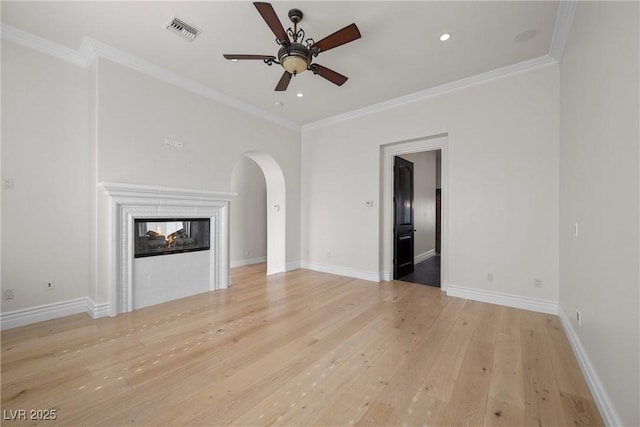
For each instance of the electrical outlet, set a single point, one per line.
(537, 283)
(578, 317)
(490, 277)
(49, 285)
(8, 294)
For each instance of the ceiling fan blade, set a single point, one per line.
(262, 57)
(340, 37)
(332, 76)
(284, 82)
(272, 20)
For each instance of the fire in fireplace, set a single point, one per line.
(163, 236)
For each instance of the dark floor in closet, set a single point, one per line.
(425, 273)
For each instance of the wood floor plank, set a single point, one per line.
(300, 348)
(468, 401)
(444, 372)
(305, 397)
(500, 413)
(391, 405)
(543, 405)
(580, 411)
(565, 367)
(506, 374)
(424, 410)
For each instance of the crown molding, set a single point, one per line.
(92, 49)
(478, 79)
(42, 45)
(564, 18)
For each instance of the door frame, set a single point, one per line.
(388, 152)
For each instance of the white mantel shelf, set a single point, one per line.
(115, 189)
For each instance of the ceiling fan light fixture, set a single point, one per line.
(294, 55)
(294, 64)
(295, 58)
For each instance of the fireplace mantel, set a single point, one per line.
(126, 202)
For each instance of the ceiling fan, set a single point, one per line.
(297, 55)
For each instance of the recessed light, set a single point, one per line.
(444, 37)
(300, 95)
(279, 103)
(234, 60)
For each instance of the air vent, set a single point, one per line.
(183, 29)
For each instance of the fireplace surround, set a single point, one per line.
(126, 203)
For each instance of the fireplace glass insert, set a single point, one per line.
(160, 236)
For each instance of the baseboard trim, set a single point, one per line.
(28, 316)
(97, 310)
(342, 271)
(424, 256)
(605, 405)
(31, 315)
(444, 286)
(250, 261)
(499, 298)
(293, 265)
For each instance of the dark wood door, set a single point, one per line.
(438, 219)
(403, 232)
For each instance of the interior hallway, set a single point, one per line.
(426, 272)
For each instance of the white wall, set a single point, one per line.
(599, 190)
(248, 214)
(67, 127)
(214, 136)
(424, 188)
(45, 220)
(503, 183)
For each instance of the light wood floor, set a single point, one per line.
(301, 348)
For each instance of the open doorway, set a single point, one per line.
(272, 204)
(437, 144)
(417, 214)
(248, 219)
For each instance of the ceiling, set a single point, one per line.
(399, 53)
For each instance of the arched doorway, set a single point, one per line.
(275, 210)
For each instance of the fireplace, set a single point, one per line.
(132, 281)
(164, 236)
